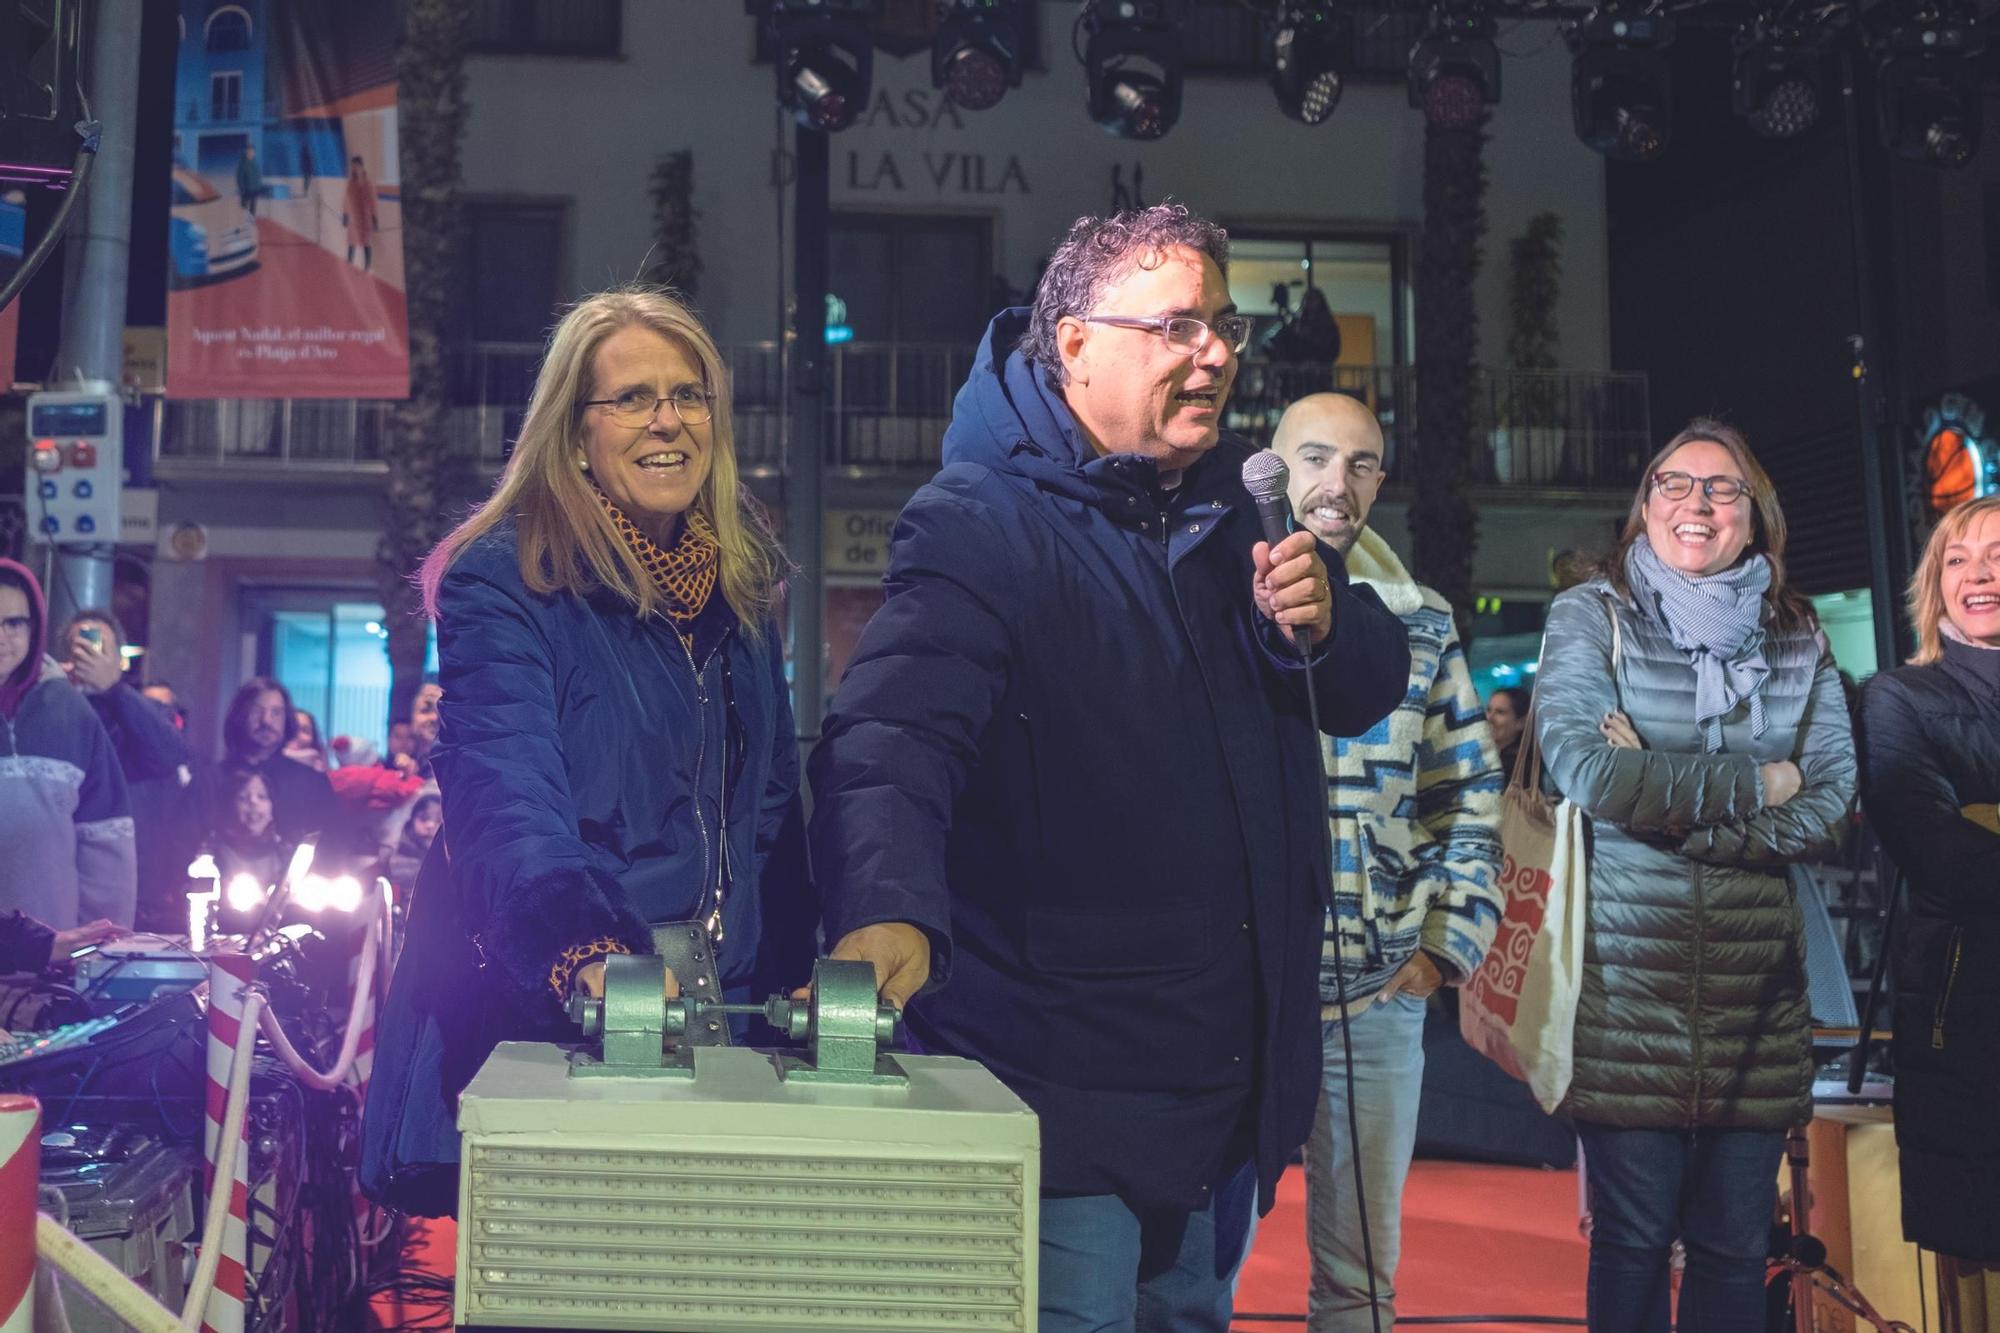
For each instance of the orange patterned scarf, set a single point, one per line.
(685, 573)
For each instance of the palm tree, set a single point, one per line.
(1443, 523)
(431, 112)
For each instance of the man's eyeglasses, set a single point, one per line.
(1184, 333)
(1679, 485)
(16, 624)
(637, 407)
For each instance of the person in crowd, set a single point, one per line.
(1688, 703)
(258, 726)
(617, 749)
(249, 180)
(1310, 336)
(1931, 741)
(26, 945)
(374, 797)
(1507, 719)
(1414, 805)
(161, 692)
(414, 843)
(305, 746)
(1070, 781)
(423, 725)
(400, 753)
(358, 215)
(154, 756)
(244, 839)
(66, 844)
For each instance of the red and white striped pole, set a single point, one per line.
(364, 1052)
(20, 1170)
(228, 976)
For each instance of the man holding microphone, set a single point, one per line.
(1068, 789)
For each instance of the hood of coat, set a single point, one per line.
(1372, 562)
(1009, 418)
(29, 673)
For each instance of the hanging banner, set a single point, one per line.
(285, 257)
(13, 240)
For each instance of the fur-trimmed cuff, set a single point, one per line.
(545, 917)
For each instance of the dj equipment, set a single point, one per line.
(138, 968)
(646, 1181)
(132, 1198)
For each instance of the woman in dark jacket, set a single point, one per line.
(1687, 702)
(617, 748)
(1932, 742)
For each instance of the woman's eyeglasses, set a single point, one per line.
(1679, 485)
(637, 407)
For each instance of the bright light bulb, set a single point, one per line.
(344, 894)
(245, 893)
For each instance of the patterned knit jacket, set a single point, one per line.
(1415, 806)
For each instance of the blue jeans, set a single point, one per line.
(1712, 1189)
(1388, 1044)
(1110, 1268)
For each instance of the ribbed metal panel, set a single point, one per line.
(668, 1239)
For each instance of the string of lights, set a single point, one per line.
(1923, 55)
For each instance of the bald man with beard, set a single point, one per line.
(1415, 809)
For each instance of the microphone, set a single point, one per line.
(1265, 476)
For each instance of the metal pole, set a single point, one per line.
(93, 320)
(810, 205)
(1874, 370)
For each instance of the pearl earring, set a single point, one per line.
(582, 463)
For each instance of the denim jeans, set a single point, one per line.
(1388, 1044)
(1712, 1189)
(1110, 1268)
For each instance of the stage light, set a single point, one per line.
(825, 60)
(1927, 88)
(1454, 72)
(1309, 51)
(1621, 90)
(976, 57)
(245, 893)
(1775, 82)
(1133, 63)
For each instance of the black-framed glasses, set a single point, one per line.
(16, 624)
(1680, 485)
(1184, 333)
(637, 407)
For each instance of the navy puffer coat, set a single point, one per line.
(1071, 751)
(597, 776)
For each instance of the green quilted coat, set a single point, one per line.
(1693, 1011)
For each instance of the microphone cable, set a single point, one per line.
(1303, 643)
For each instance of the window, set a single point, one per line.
(328, 648)
(225, 97)
(911, 278)
(524, 239)
(545, 27)
(228, 30)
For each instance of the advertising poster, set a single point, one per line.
(13, 239)
(285, 257)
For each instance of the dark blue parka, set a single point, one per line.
(1071, 751)
(582, 760)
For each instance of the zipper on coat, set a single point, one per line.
(1694, 1009)
(1955, 953)
(712, 919)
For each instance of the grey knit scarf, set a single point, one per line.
(1718, 621)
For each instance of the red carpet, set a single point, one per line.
(1476, 1240)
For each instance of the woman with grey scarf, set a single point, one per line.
(1688, 704)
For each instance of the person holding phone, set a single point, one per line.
(153, 753)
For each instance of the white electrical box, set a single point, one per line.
(76, 460)
(740, 1199)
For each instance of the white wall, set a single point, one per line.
(591, 130)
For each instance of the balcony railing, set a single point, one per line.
(887, 406)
